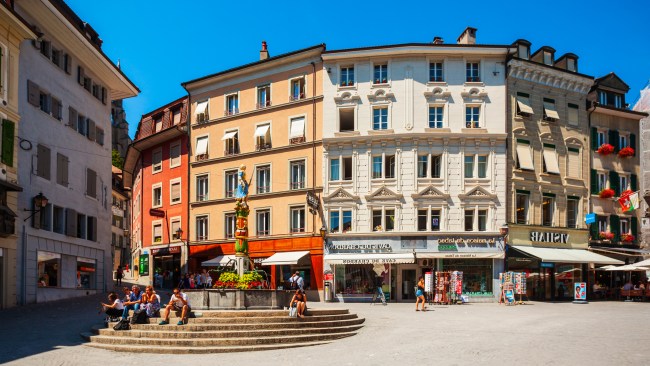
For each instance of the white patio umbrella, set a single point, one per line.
(629, 268)
(607, 267)
(643, 263)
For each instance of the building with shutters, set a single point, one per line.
(13, 31)
(156, 170)
(614, 173)
(266, 116)
(65, 86)
(120, 222)
(643, 105)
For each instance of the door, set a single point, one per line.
(3, 278)
(408, 284)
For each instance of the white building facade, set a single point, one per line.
(414, 166)
(66, 84)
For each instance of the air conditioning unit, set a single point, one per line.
(425, 262)
(3, 172)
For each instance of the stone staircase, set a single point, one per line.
(228, 331)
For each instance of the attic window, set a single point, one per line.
(523, 52)
(571, 64)
(548, 58)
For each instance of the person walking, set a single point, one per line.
(419, 294)
(118, 276)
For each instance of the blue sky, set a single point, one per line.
(163, 43)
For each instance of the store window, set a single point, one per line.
(477, 275)
(49, 269)
(86, 273)
(522, 208)
(548, 209)
(360, 280)
(572, 212)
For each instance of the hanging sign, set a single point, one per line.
(313, 201)
(590, 218)
(143, 268)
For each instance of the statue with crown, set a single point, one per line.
(241, 212)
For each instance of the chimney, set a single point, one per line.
(264, 53)
(468, 36)
(438, 40)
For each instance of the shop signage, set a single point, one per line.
(549, 237)
(143, 268)
(329, 277)
(590, 218)
(580, 291)
(156, 212)
(259, 260)
(547, 265)
(378, 246)
(166, 250)
(468, 246)
(313, 201)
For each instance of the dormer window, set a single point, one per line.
(610, 99)
(571, 64)
(548, 58)
(523, 51)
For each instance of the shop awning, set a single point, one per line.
(221, 260)
(229, 135)
(297, 128)
(369, 258)
(201, 107)
(524, 104)
(262, 131)
(285, 258)
(550, 111)
(566, 255)
(428, 255)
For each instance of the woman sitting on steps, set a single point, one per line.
(299, 301)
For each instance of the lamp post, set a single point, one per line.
(323, 235)
(179, 236)
(40, 201)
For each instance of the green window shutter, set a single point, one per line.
(8, 128)
(633, 182)
(594, 139)
(1, 73)
(614, 183)
(634, 223)
(614, 227)
(633, 142)
(593, 230)
(594, 182)
(613, 139)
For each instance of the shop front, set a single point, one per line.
(167, 266)
(553, 260)
(360, 264)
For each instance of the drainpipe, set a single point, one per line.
(188, 146)
(23, 288)
(313, 139)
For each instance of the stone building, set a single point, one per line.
(643, 105)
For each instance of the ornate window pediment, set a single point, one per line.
(477, 193)
(437, 94)
(381, 95)
(474, 94)
(430, 193)
(347, 97)
(340, 195)
(384, 194)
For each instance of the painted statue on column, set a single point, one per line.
(242, 211)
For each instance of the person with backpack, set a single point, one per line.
(118, 276)
(297, 282)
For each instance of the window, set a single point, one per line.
(523, 105)
(44, 101)
(472, 72)
(523, 51)
(435, 220)
(156, 161)
(472, 115)
(376, 220)
(229, 223)
(602, 181)
(175, 155)
(58, 219)
(548, 58)
(157, 232)
(389, 167)
(428, 216)
(469, 220)
(175, 191)
(231, 183)
(335, 221)
(610, 99)
(91, 228)
(624, 226)
(202, 148)
(263, 222)
(340, 221)
(176, 116)
(548, 209)
(338, 166)
(263, 96)
(422, 166)
(201, 112)
(572, 209)
(347, 76)
(3, 67)
(469, 166)
(381, 74)
(601, 138)
(202, 227)
(297, 174)
(521, 208)
(173, 228)
(231, 141)
(550, 112)
(81, 125)
(43, 161)
(623, 141)
(481, 165)
(297, 89)
(482, 220)
(383, 219)
(202, 187)
(91, 183)
(389, 219)
(57, 109)
(435, 72)
(86, 269)
(49, 269)
(263, 179)
(380, 118)
(602, 97)
(297, 130)
(346, 119)
(62, 169)
(550, 165)
(435, 116)
(574, 167)
(81, 226)
(572, 114)
(347, 168)
(158, 123)
(603, 225)
(156, 196)
(335, 168)
(46, 48)
(624, 181)
(46, 217)
(297, 219)
(347, 220)
(232, 104)
(263, 137)
(524, 155)
(377, 167)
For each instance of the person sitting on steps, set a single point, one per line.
(133, 302)
(149, 302)
(299, 301)
(115, 308)
(178, 302)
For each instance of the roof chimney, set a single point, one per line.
(438, 40)
(264, 53)
(468, 36)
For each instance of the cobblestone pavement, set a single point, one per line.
(599, 333)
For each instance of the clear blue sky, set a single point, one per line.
(163, 43)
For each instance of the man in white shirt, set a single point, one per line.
(297, 282)
(178, 302)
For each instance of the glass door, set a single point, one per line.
(408, 284)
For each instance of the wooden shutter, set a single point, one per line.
(43, 162)
(614, 226)
(62, 170)
(91, 132)
(33, 94)
(99, 136)
(104, 95)
(633, 182)
(593, 230)
(67, 63)
(91, 183)
(613, 139)
(634, 224)
(36, 217)
(614, 182)
(8, 132)
(594, 182)
(70, 222)
(633, 142)
(93, 220)
(80, 75)
(594, 139)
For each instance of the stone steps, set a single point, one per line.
(229, 331)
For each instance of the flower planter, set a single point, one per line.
(606, 193)
(606, 235)
(626, 152)
(627, 238)
(227, 299)
(605, 149)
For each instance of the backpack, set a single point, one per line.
(294, 283)
(139, 317)
(123, 324)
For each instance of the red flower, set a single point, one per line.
(605, 149)
(606, 235)
(627, 238)
(606, 193)
(626, 152)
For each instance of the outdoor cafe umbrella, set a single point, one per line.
(629, 268)
(642, 263)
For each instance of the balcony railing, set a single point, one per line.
(473, 79)
(263, 189)
(297, 140)
(297, 229)
(262, 105)
(231, 112)
(230, 193)
(201, 197)
(300, 96)
(263, 232)
(231, 151)
(297, 185)
(201, 237)
(261, 147)
(202, 157)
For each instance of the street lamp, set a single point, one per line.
(40, 201)
(179, 236)
(323, 232)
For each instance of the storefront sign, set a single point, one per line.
(547, 265)
(143, 268)
(379, 246)
(590, 218)
(549, 237)
(580, 291)
(328, 277)
(313, 201)
(156, 213)
(465, 246)
(166, 251)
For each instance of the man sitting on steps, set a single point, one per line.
(178, 302)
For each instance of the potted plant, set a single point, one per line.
(606, 193)
(350, 83)
(606, 235)
(626, 152)
(627, 238)
(605, 149)
(378, 228)
(376, 81)
(384, 81)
